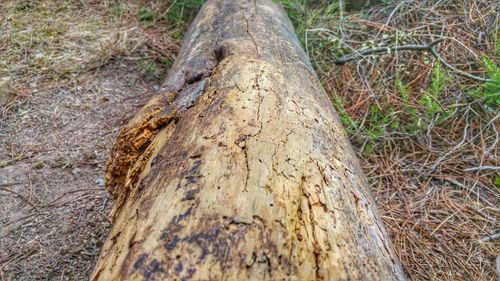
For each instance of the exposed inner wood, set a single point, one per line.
(241, 170)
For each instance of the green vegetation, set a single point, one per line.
(489, 92)
(183, 12)
(296, 10)
(425, 134)
(430, 98)
(409, 112)
(118, 9)
(349, 124)
(418, 104)
(397, 104)
(149, 67)
(145, 14)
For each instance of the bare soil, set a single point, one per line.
(78, 71)
(53, 206)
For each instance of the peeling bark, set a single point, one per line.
(241, 169)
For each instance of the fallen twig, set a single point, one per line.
(490, 237)
(17, 194)
(51, 203)
(12, 183)
(429, 47)
(497, 267)
(482, 168)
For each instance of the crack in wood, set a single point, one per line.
(251, 36)
(233, 77)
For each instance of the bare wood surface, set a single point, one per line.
(241, 170)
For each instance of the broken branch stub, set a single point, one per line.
(241, 170)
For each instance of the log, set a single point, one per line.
(240, 169)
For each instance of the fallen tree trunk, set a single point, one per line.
(241, 169)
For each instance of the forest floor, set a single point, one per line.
(79, 71)
(426, 136)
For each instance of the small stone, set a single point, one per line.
(99, 182)
(156, 88)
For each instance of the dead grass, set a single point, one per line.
(49, 43)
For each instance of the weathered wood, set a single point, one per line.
(241, 169)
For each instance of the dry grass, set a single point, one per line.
(45, 44)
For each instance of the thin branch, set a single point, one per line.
(429, 47)
(458, 71)
(17, 194)
(12, 183)
(482, 168)
(386, 50)
(497, 267)
(490, 237)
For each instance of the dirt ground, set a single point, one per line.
(76, 77)
(53, 204)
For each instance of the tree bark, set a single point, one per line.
(241, 169)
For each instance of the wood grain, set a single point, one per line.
(252, 177)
